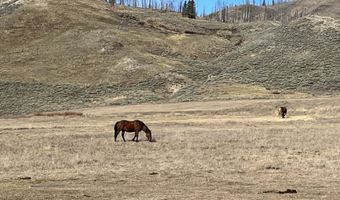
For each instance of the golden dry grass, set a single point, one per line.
(204, 150)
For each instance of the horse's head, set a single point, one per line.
(147, 131)
(148, 135)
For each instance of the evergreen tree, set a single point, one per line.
(185, 9)
(194, 9)
(191, 9)
(264, 3)
(112, 2)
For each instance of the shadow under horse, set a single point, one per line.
(131, 126)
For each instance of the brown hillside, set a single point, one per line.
(284, 12)
(85, 42)
(67, 54)
(330, 8)
(53, 49)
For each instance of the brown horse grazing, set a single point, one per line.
(131, 126)
(282, 111)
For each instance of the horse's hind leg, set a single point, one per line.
(123, 133)
(116, 134)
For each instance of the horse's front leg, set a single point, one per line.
(136, 136)
(123, 133)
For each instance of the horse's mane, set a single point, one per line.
(144, 126)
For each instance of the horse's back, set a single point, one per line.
(130, 126)
(127, 122)
(120, 124)
(139, 122)
(283, 109)
(123, 122)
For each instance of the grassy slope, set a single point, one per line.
(82, 42)
(66, 54)
(313, 7)
(302, 55)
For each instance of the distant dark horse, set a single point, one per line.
(282, 111)
(131, 126)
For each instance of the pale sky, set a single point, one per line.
(209, 5)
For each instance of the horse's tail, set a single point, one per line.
(115, 127)
(115, 131)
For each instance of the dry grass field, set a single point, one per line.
(203, 150)
(212, 91)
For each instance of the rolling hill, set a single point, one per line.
(67, 54)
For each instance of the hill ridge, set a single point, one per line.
(83, 53)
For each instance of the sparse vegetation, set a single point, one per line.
(52, 114)
(70, 69)
(88, 55)
(203, 150)
(282, 11)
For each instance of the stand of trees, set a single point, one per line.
(189, 9)
(168, 5)
(247, 12)
(250, 11)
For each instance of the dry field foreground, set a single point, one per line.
(208, 150)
